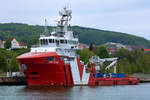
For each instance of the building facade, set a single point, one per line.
(17, 44)
(1, 44)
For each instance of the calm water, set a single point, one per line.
(130, 92)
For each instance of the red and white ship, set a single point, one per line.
(55, 61)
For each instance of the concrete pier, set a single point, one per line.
(144, 80)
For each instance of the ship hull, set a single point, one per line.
(110, 81)
(48, 74)
(38, 71)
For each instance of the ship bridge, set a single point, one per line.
(62, 40)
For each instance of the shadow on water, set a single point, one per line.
(48, 88)
(127, 92)
(58, 92)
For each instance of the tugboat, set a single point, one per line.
(55, 62)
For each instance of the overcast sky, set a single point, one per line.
(128, 16)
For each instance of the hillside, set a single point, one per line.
(30, 34)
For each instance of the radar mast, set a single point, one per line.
(65, 17)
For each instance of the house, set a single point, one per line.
(112, 50)
(82, 46)
(22, 45)
(16, 44)
(1, 44)
(113, 47)
(146, 50)
(129, 48)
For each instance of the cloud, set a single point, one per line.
(130, 16)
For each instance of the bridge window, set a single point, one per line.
(69, 41)
(62, 41)
(46, 42)
(63, 58)
(50, 41)
(41, 41)
(50, 59)
(66, 41)
(57, 42)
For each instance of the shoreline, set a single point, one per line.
(20, 81)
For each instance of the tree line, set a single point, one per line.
(30, 33)
(8, 61)
(129, 62)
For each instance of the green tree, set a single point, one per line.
(91, 47)
(102, 52)
(122, 53)
(3, 63)
(85, 54)
(143, 62)
(14, 64)
(7, 44)
(133, 62)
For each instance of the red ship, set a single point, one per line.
(55, 62)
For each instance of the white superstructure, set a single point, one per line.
(62, 41)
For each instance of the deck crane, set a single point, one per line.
(98, 62)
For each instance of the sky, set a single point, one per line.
(127, 16)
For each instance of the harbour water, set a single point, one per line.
(127, 92)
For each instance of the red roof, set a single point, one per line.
(22, 44)
(146, 49)
(82, 45)
(112, 49)
(10, 39)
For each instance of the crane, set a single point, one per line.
(99, 62)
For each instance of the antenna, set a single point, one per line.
(68, 4)
(45, 27)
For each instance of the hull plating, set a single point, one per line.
(38, 71)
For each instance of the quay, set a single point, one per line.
(22, 81)
(144, 80)
(13, 81)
